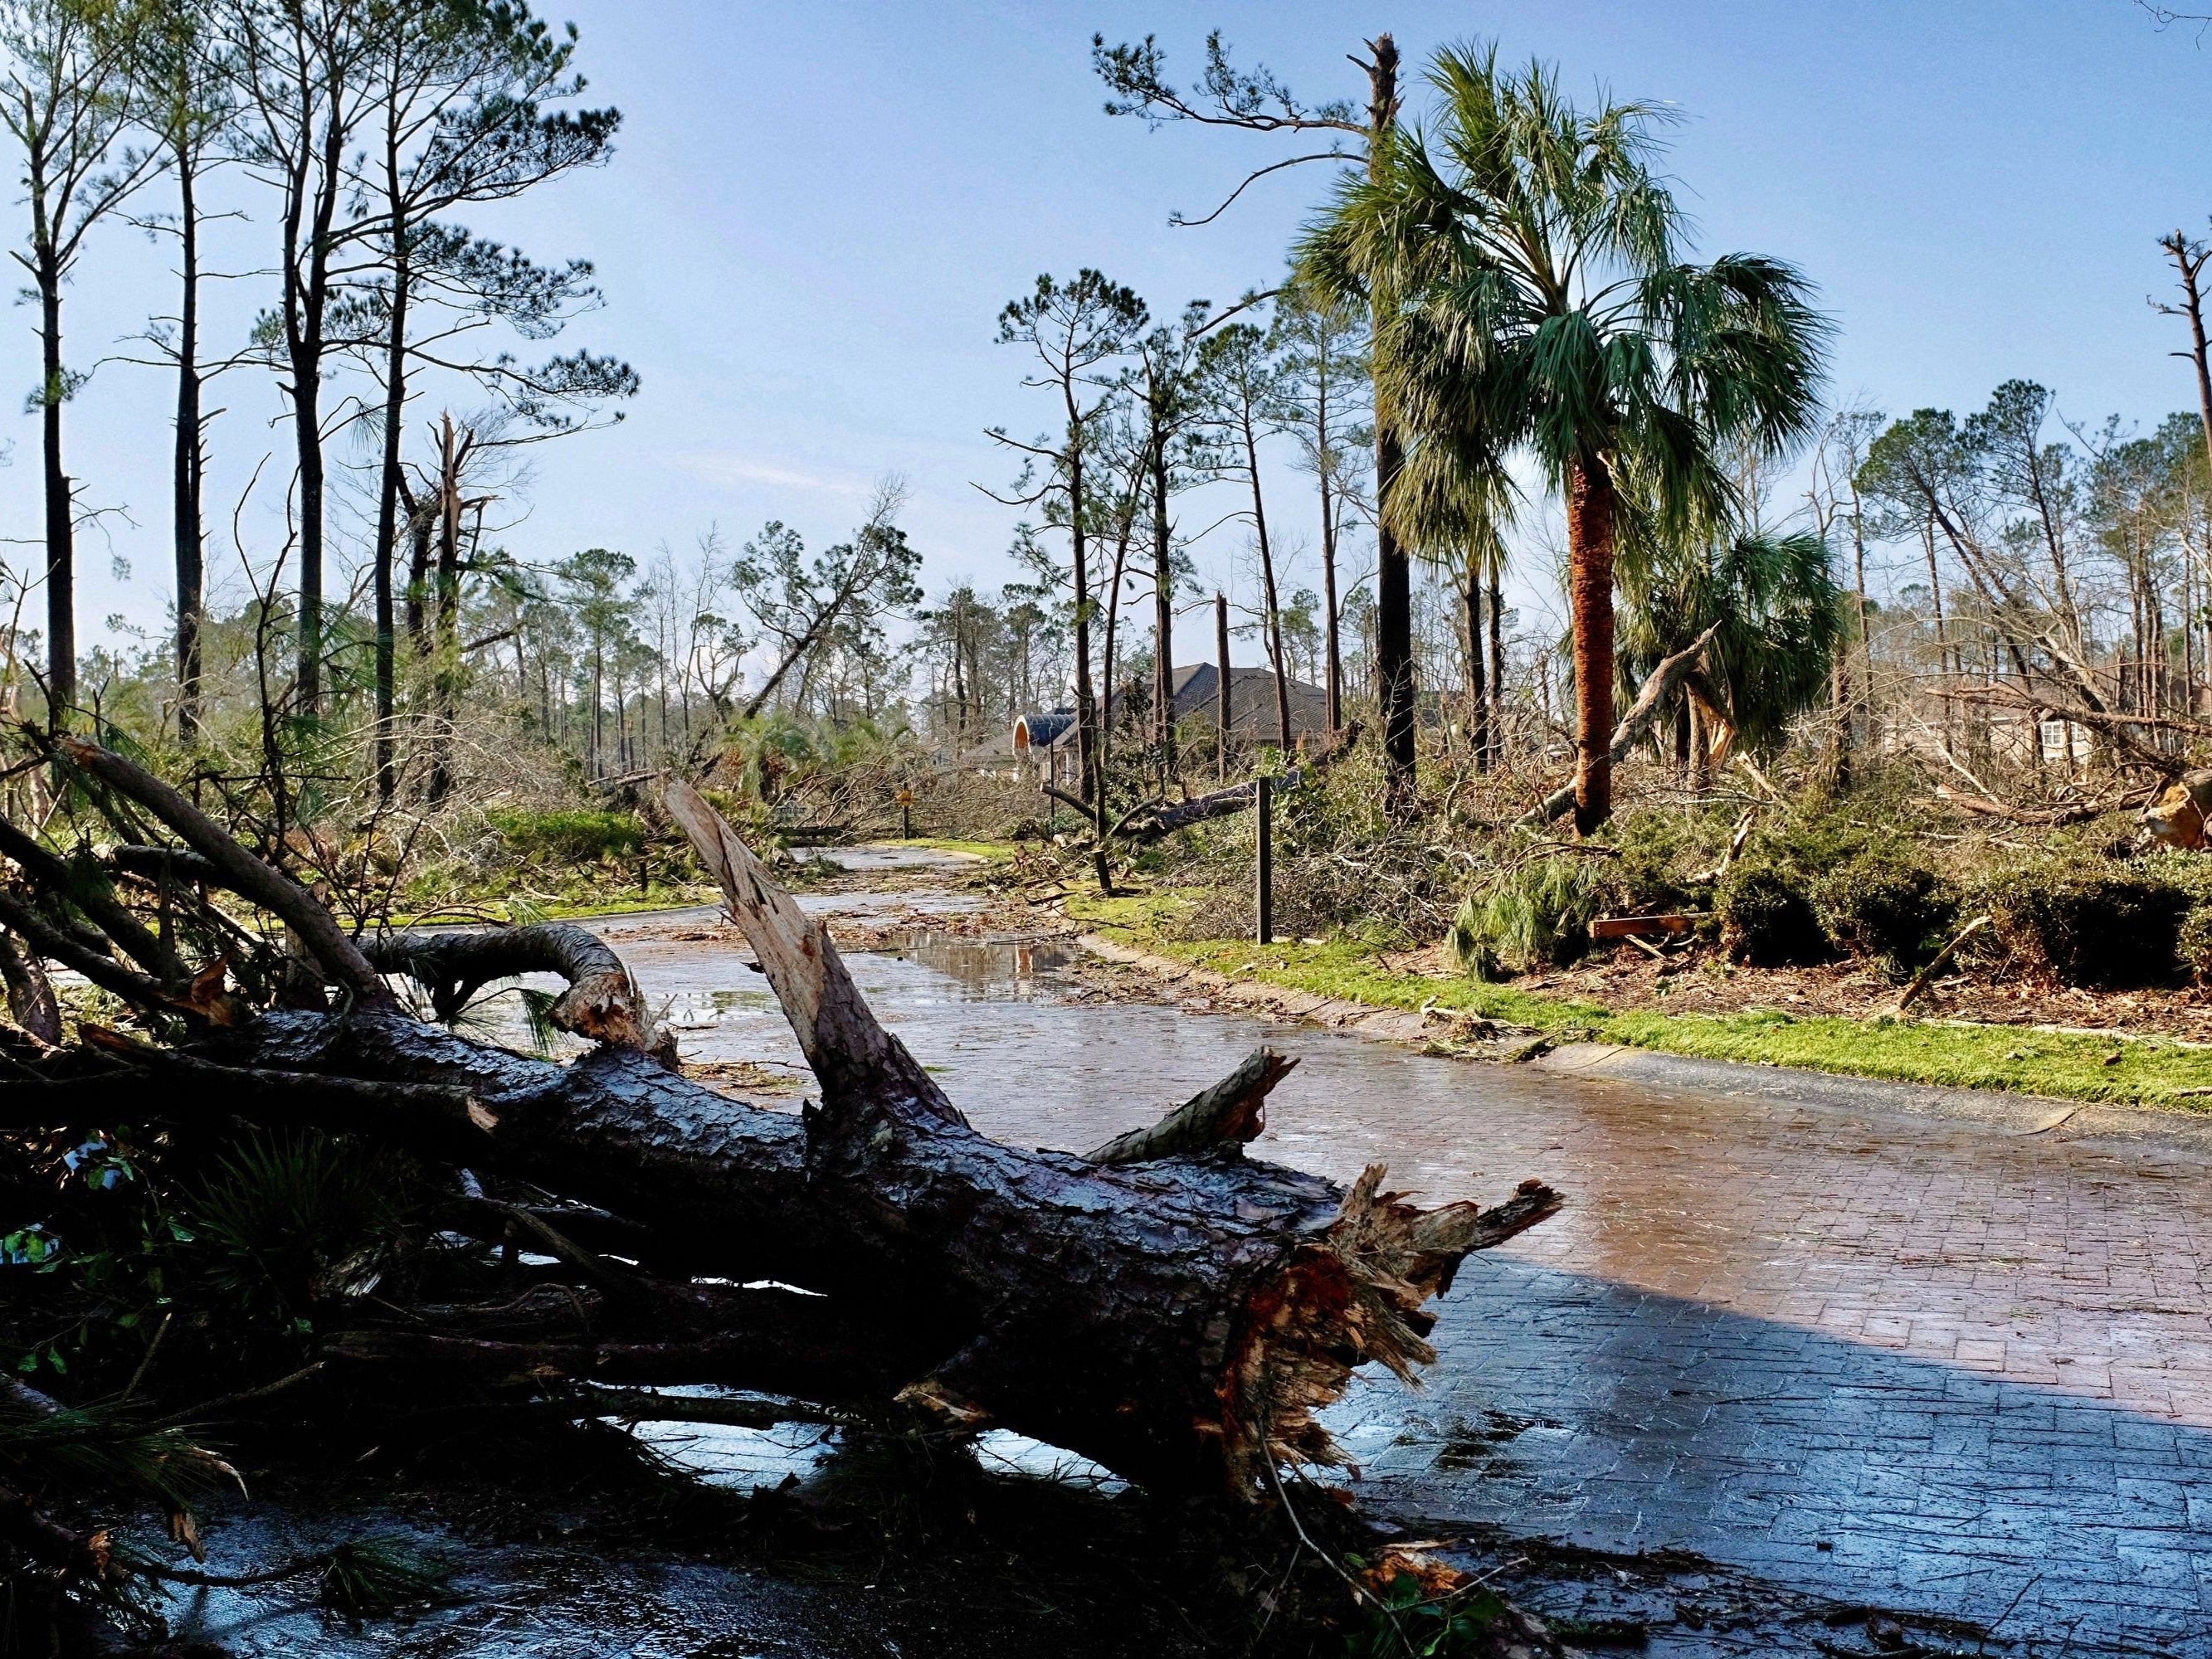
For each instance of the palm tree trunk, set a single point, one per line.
(1590, 584)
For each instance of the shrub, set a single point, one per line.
(2193, 946)
(1662, 850)
(572, 837)
(1532, 912)
(295, 1218)
(2102, 924)
(1885, 906)
(1766, 919)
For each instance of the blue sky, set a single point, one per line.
(818, 210)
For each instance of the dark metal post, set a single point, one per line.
(906, 823)
(1222, 715)
(1266, 803)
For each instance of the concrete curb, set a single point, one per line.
(1335, 1013)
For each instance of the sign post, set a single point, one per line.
(906, 814)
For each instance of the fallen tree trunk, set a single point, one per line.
(1177, 1321)
(2072, 812)
(1155, 819)
(601, 1002)
(1176, 1312)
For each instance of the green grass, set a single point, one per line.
(2134, 1071)
(619, 902)
(996, 851)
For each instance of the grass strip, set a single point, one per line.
(2145, 1070)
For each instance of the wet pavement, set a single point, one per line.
(1872, 1355)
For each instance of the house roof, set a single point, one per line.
(1197, 697)
(1251, 701)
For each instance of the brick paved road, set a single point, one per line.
(1928, 1364)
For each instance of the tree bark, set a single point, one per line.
(1478, 688)
(2190, 264)
(190, 452)
(1141, 1370)
(446, 613)
(1267, 579)
(387, 505)
(1163, 712)
(306, 304)
(1589, 583)
(1497, 669)
(1087, 707)
(1394, 590)
(60, 507)
(1225, 690)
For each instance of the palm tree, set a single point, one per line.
(1536, 301)
(1780, 614)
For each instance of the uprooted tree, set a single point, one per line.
(1164, 1305)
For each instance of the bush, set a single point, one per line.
(572, 837)
(1766, 918)
(2101, 924)
(295, 1220)
(1661, 850)
(1884, 906)
(1531, 913)
(2193, 946)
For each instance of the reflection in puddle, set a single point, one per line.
(986, 961)
(746, 1458)
(702, 1011)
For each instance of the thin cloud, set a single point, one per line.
(733, 470)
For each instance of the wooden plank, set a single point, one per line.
(1606, 927)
